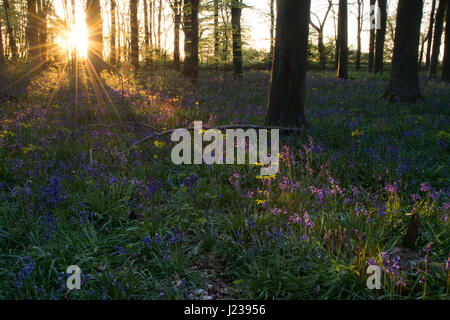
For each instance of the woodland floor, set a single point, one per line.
(141, 227)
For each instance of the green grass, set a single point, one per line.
(59, 208)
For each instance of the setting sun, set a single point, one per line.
(78, 38)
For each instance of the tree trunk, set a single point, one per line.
(446, 60)
(322, 54)
(216, 36)
(177, 24)
(3, 70)
(288, 80)
(437, 37)
(343, 40)
(272, 32)
(372, 37)
(43, 29)
(149, 62)
(11, 38)
(236, 12)
(380, 37)
(430, 34)
(358, 46)
(112, 56)
(94, 24)
(33, 35)
(134, 34)
(404, 78)
(191, 68)
(159, 25)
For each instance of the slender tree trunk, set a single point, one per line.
(288, 81)
(422, 49)
(191, 67)
(134, 34)
(113, 33)
(446, 60)
(372, 37)
(437, 38)
(272, 32)
(43, 29)
(150, 32)
(358, 49)
(94, 24)
(11, 37)
(343, 40)
(430, 34)
(33, 35)
(3, 69)
(159, 25)
(404, 78)
(177, 25)
(216, 36)
(236, 12)
(380, 37)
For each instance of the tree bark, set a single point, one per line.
(446, 60)
(236, 13)
(404, 77)
(216, 36)
(437, 38)
(343, 40)
(43, 30)
(11, 37)
(134, 34)
(94, 24)
(177, 25)
(430, 34)
(372, 39)
(288, 81)
(112, 56)
(272, 32)
(358, 46)
(191, 67)
(380, 37)
(3, 70)
(32, 32)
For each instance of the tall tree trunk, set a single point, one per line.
(33, 36)
(3, 69)
(177, 25)
(288, 81)
(272, 32)
(43, 28)
(380, 37)
(437, 38)
(372, 36)
(112, 56)
(191, 68)
(236, 12)
(146, 34)
(134, 34)
(430, 34)
(446, 60)
(404, 78)
(216, 36)
(359, 30)
(11, 37)
(149, 62)
(94, 24)
(343, 40)
(159, 24)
